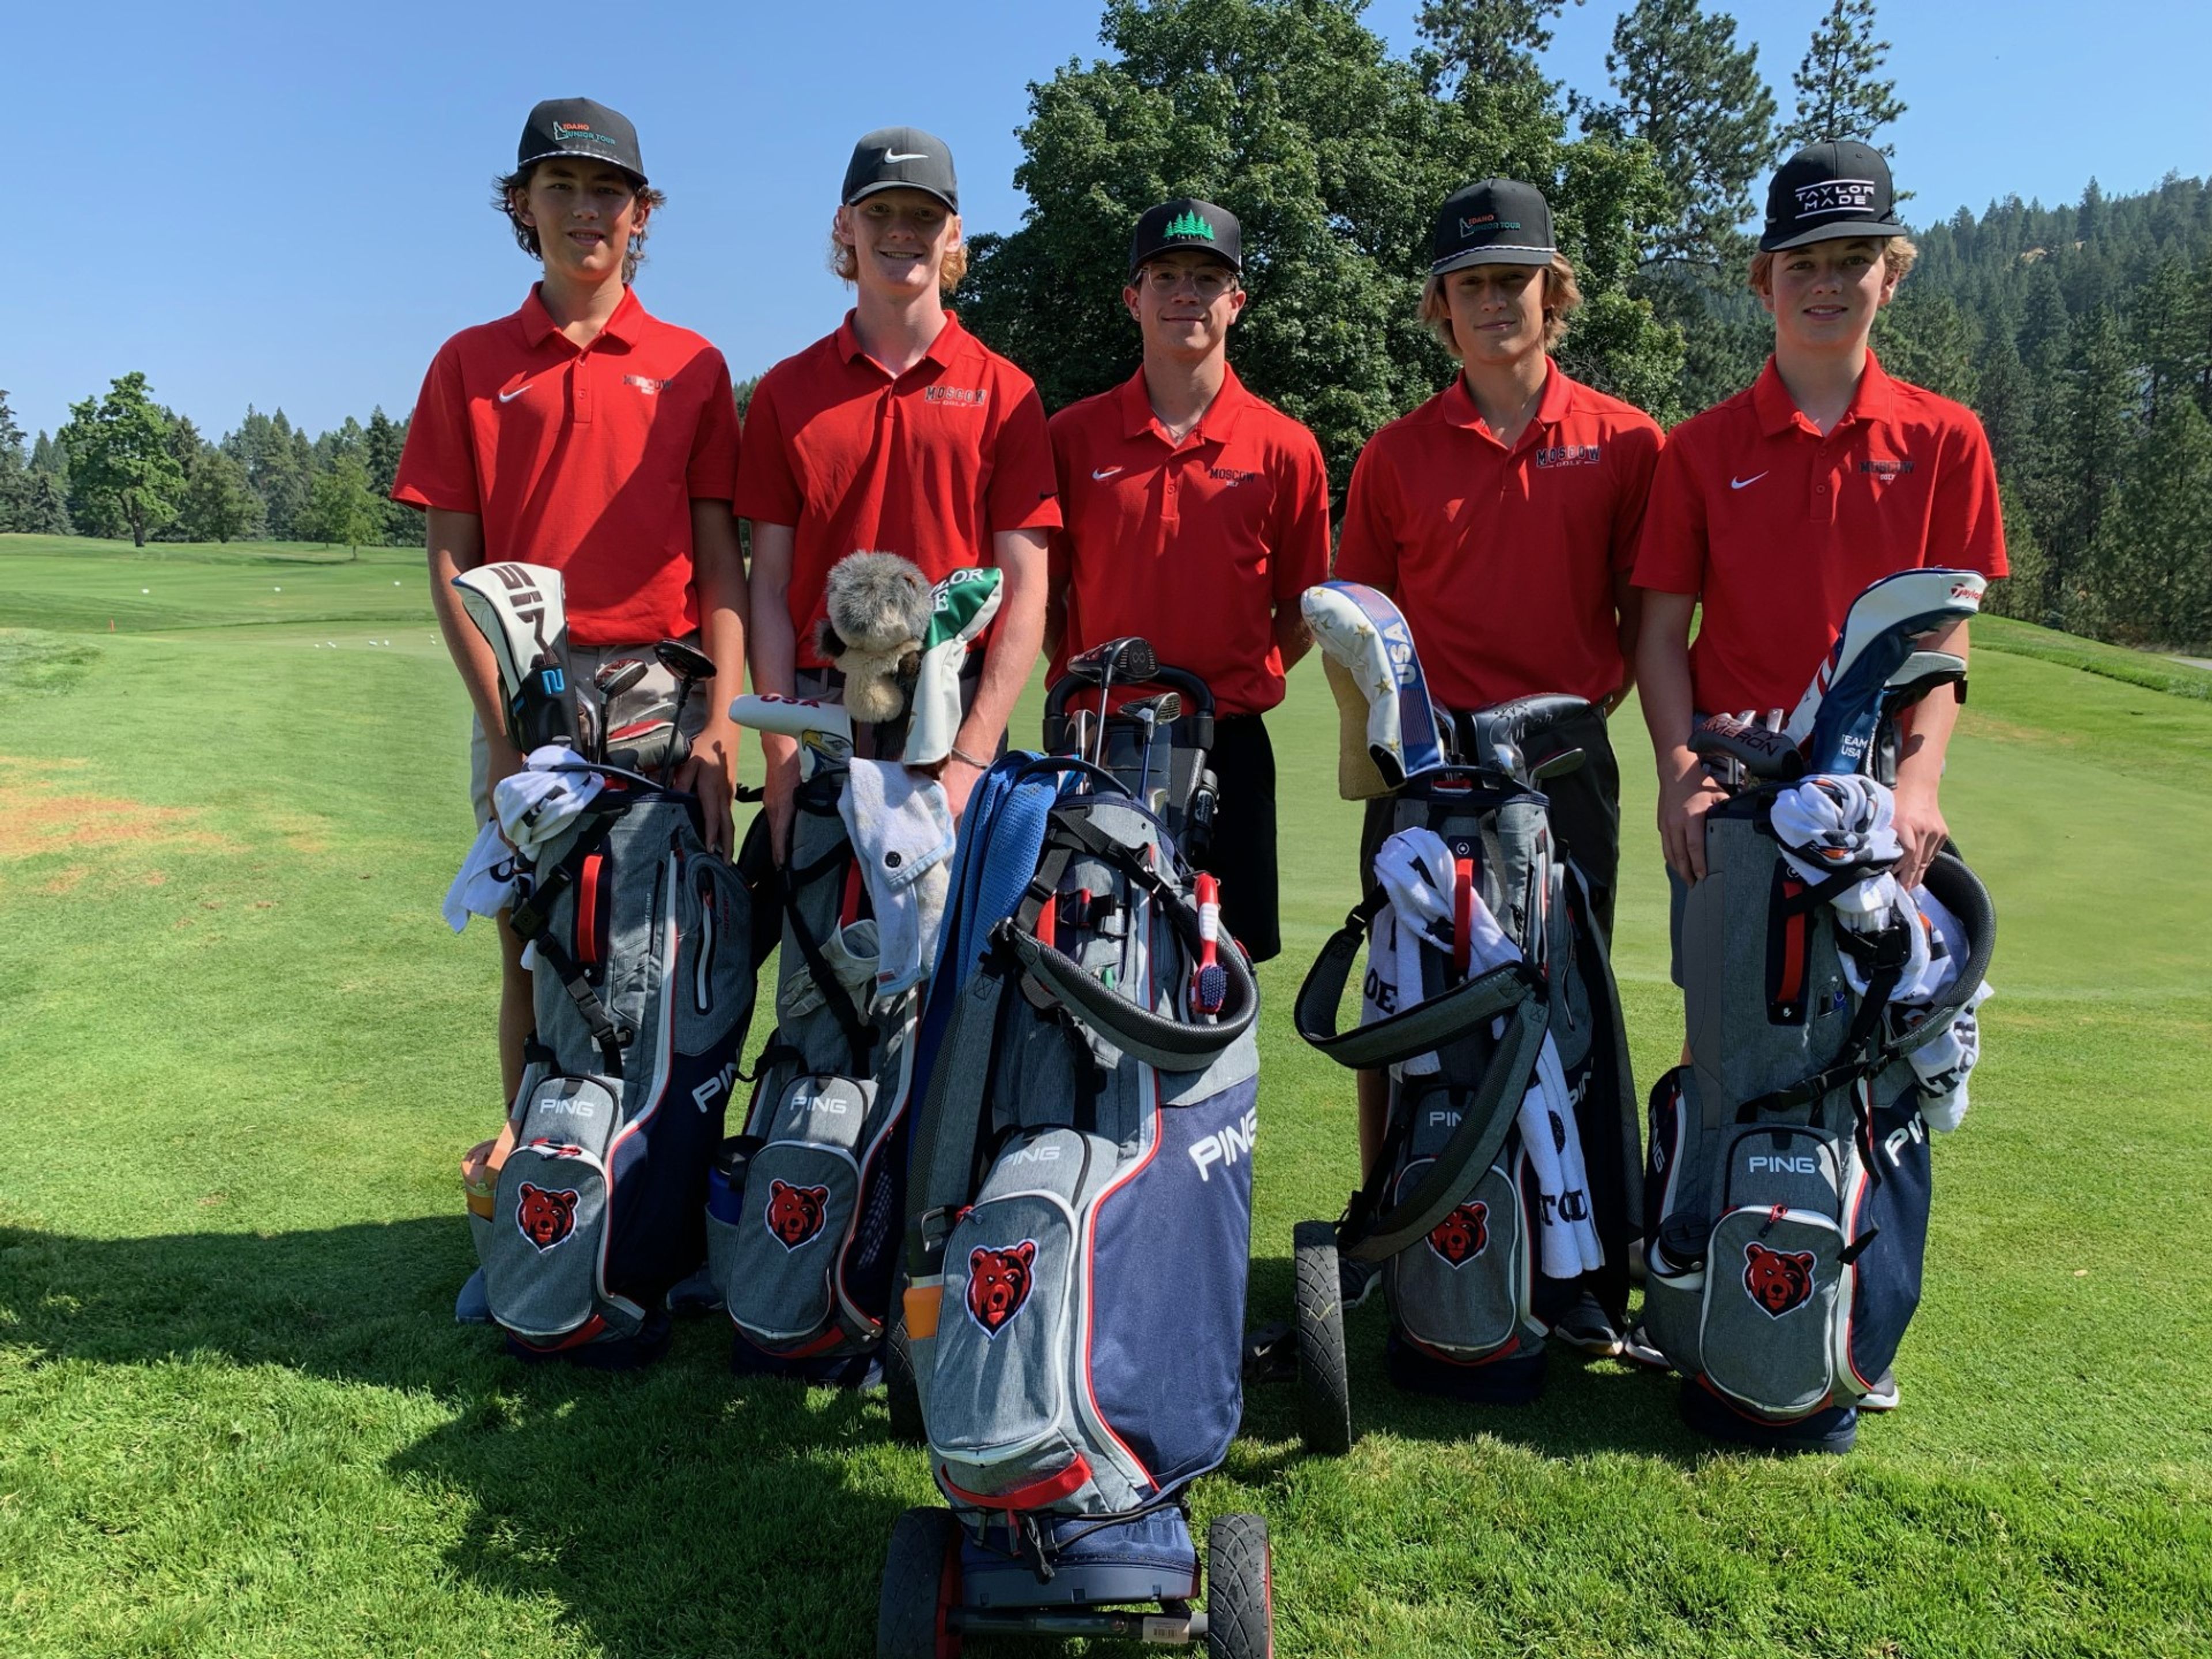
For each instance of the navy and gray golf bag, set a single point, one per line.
(1453, 1209)
(1079, 1218)
(1790, 1176)
(643, 981)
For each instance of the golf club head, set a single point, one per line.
(1723, 739)
(651, 747)
(1833, 723)
(686, 662)
(1129, 659)
(520, 611)
(1156, 710)
(619, 676)
(1918, 675)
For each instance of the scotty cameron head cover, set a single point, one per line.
(824, 730)
(1388, 726)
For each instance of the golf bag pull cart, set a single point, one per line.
(1079, 1217)
(1790, 1173)
(1495, 1016)
(643, 990)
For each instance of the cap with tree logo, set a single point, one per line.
(1187, 222)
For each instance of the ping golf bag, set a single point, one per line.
(1485, 1234)
(1789, 1180)
(643, 983)
(804, 1206)
(1079, 1219)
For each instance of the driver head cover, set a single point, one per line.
(878, 609)
(1383, 696)
(1834, 720)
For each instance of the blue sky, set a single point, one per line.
(285, 204)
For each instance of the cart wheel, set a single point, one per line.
(901, 1394)
(1324, 1384)
(921, 1584)
(1240, 1591)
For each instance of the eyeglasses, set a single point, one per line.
(1209, 283)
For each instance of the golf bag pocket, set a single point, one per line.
(1463, 1292)
(1000, 1394)
(713, 967)
(542, 1245)
(801, 1194)
(1886, 1220)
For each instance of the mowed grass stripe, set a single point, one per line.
(245, 1055)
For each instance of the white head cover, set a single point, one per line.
(1390, 727)
(966, 602)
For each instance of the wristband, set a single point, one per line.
(960, 754)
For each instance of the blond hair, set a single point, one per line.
(846, 265)
(1563, 294)
(1897, 255)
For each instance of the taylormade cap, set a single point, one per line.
(1827, 191)
(1187, 222)
(577, 126)
(1496, 222)
(902, 158)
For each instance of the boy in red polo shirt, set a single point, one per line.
(584, 434)
(1502, 516)
(1778, 507)
(900, 432)
(1195, 516)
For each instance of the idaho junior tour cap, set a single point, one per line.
(1823, 192)
(577, 126)
(1187, 222)
(1497, 222)
(902, 158)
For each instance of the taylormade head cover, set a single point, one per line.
(1382, 694)
(1833, 723)
(966, 600)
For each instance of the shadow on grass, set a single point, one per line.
(1589, 1408)
(678, 1510)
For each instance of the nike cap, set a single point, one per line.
(1495, 221)
(1837, 189)
(1187, 222)
(902, 158)
(577, 126)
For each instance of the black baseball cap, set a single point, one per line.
(902, 158)
(1187, 222)
(1495, 221)
(1827, 191)
(578, 126)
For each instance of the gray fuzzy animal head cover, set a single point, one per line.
(880, 607)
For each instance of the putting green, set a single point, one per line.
(243, 1054)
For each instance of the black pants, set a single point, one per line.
(1585, 817)
(1242, 854)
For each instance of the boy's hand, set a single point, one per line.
(1921, 831)
(711, 773)
(957, 778)
(1685, 797)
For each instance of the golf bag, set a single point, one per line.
(1789, 1175)
(804, 1205)
(643, 985)
(1080, 1216)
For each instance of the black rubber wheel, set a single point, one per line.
(921, 1584)
(1240, 1590)
(900, 1393)
(1324, 1383)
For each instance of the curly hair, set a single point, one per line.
(506, 190)
(1563, 294)
(1897, 255)
(846, 267)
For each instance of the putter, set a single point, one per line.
(690, 664)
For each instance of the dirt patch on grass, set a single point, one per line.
(38, 815)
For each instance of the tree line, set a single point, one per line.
(2082, 333)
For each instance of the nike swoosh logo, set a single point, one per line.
(1105, 471)
(916, 155)
(509, 396)
(1739, 483)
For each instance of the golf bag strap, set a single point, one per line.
(857, 1036)
(1474, 1146)
(1168, 1044)
(943, 1151)
(1422, 1029)
(598, 1021)
(1961, 893)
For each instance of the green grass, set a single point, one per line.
(2155, 673)
(244, 1054)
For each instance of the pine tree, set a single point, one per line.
(219, 505)
(14, 472)
(1683, 86)
(1921, 336)
(49, 457)
(2098, 407)
(1841, 92)
(2152, 559)
(44, 507)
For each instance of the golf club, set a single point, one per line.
(613, 679)
(1152, 713)
(690, 664)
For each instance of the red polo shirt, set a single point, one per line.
(1504, 560)
(929, 466)
(1778, 529)
(1192, 544)
(586, 459)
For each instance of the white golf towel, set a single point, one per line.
(539, 803)
(902, 833)
(491, 879)
(1415, 869)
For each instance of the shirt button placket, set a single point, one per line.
(579, 380)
